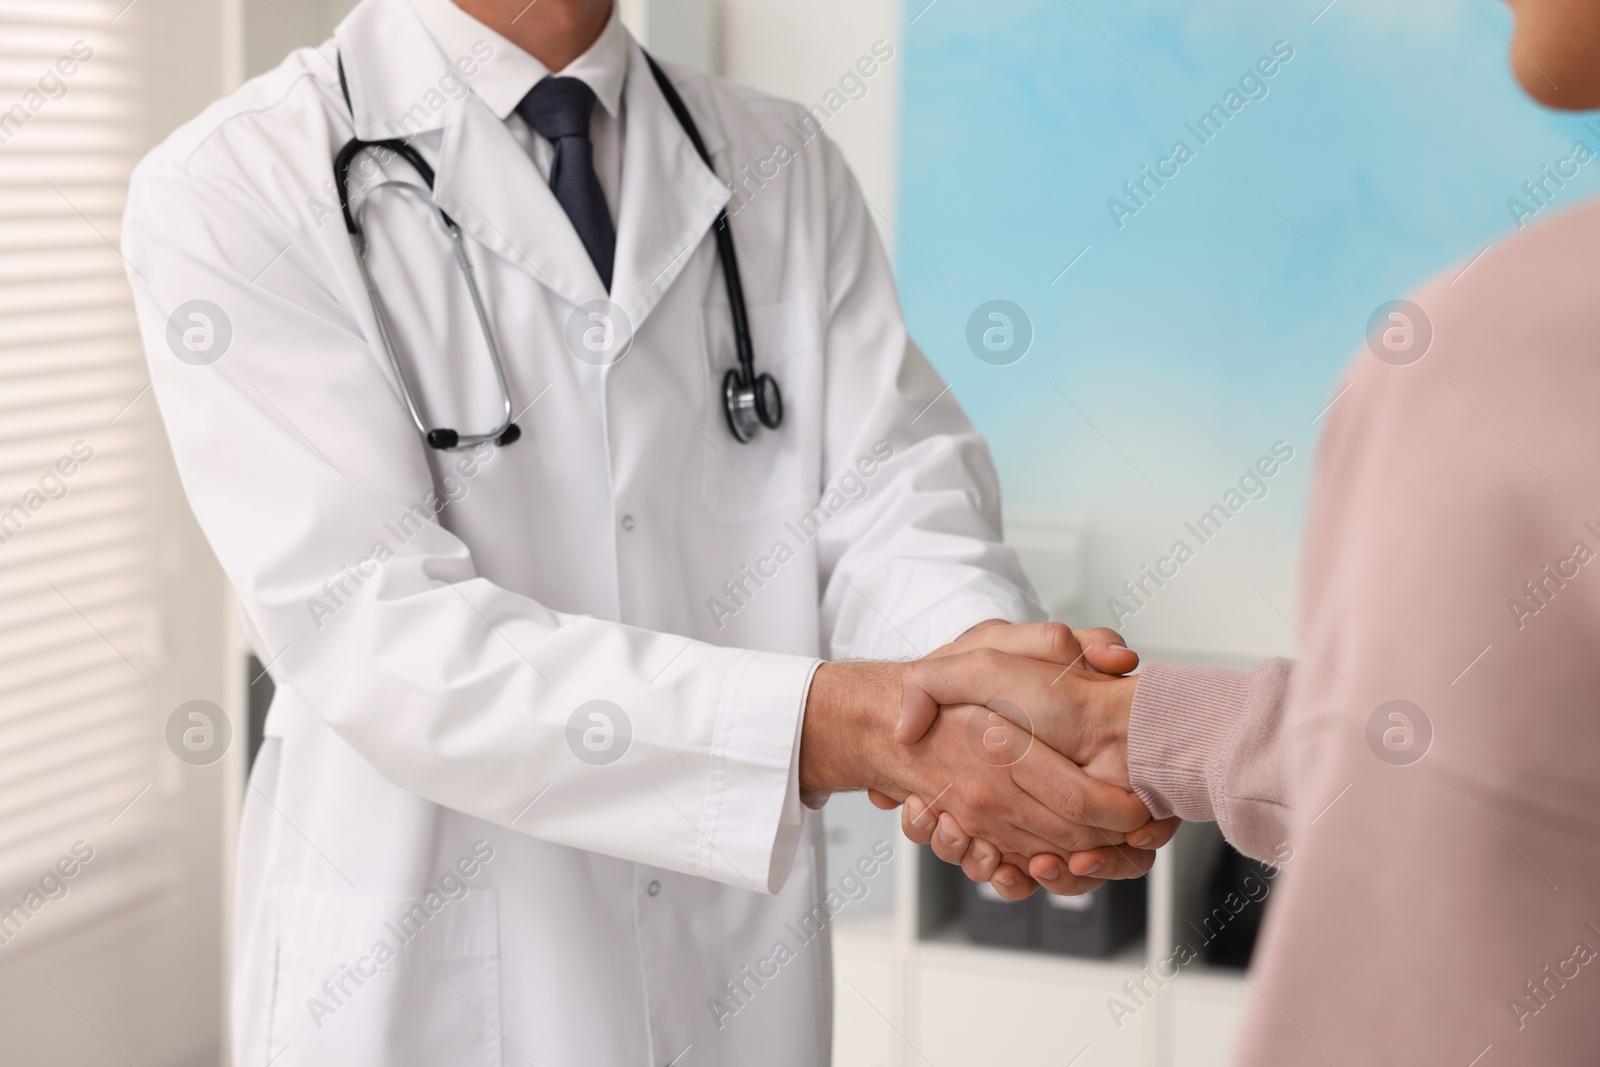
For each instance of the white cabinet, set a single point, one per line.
(1205, 1020)
(974, 1005)
(913, 991)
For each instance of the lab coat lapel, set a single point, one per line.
(491, 188)
(669, 197)
(484, 178)
(487, 183)
(392, 70)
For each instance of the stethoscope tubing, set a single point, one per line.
(749, 400)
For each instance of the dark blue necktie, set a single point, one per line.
(559, 110)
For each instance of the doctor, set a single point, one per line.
(549, 698)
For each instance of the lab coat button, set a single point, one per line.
(653, 888)
(627, 522)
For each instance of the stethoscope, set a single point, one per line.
(749, 400)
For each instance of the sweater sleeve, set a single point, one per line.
(1205, 744)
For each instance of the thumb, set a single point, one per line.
(918, 709)
(1104, 651)
(974, 677)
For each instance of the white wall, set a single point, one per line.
(800, 50)
(273, 28)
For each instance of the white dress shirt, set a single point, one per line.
(502, 81)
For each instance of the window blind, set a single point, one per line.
(79, 733)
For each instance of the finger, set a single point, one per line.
(1034, 643)
(1081, 714)
(1111, 862)
(1105, 651)
(882, 800)
(916, 821)
(983, 859)
(980, 859)
(1054, 874)
(1053, 642)
(1012, 883)
(1019, 823)
(977, 676)
(950, 841)
(1155, 833)
(1111, 659)
(1098, 635)
(1074, 797)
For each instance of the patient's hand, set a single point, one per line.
(1066, 687)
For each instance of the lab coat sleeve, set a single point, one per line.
(913, 556)
(296, 457)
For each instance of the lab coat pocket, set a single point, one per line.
(740, 482)
(386, 981)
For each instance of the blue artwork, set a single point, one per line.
(1189, 212)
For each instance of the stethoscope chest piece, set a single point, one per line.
(751, 407)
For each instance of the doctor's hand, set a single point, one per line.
(1015, 875)
(1080, 711)
(1003, 786)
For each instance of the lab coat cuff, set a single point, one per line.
(756, 814)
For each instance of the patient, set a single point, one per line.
(1428, 773)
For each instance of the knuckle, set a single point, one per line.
(1058, 637)
(1084, 839)
(1072, 804)
(985, 658)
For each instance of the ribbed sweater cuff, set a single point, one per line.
(1178, 730)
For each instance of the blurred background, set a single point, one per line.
(1131, 325)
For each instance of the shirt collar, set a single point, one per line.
(501, 85)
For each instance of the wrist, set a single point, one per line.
(1104, 753)
(847, 733)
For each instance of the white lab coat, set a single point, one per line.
(420, 788)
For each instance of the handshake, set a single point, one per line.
(1008, 749)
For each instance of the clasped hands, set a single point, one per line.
(1007, 748)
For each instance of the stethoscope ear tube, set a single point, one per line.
(442, 438)
(347, 157)
(748, 401)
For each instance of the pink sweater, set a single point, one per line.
(1441, 910)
